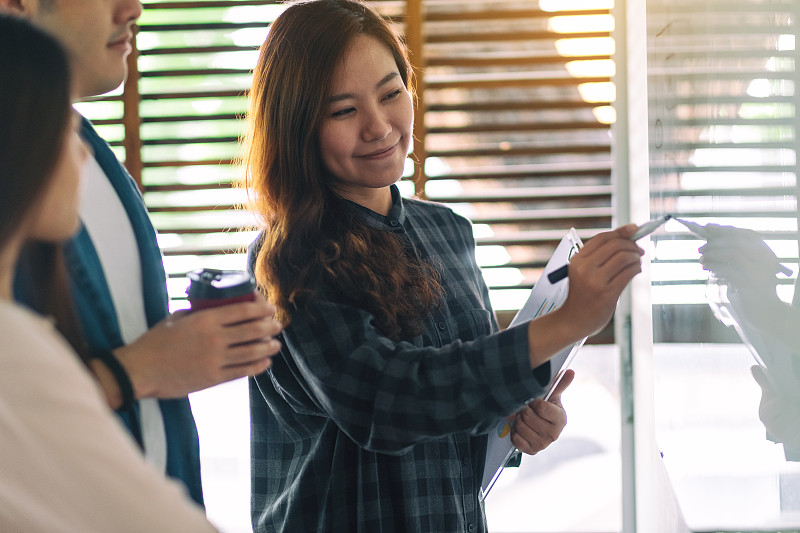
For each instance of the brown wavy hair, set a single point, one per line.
(314, 240)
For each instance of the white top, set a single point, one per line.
(66, 464)
(108, 225)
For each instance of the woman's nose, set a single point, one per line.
(376, 126)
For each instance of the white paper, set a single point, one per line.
(544, 297)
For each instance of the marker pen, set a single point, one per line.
(645, 229)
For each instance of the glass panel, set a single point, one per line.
(723, 134)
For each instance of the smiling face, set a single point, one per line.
(366, 131)
(96, 34)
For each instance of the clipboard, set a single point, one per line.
(544, 298)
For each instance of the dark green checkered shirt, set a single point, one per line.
(352, 432)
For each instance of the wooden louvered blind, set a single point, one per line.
(512, 139)
(184, 103)
(512, 128)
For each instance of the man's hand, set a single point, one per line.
(540, 423)
(190, 351)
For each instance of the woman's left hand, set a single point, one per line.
(541, 422)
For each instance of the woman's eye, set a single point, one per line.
(394, 94)
(343, 112)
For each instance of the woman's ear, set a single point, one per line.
(24, 8)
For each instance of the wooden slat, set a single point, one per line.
(196, 162)
(209, 4)
(515, 151)
(195, 50)
(507, 79)
(541, 125)
(191, 118)
(566, 194)
(172, 252)
(534, 238)
(192, 208)
(200, 26)
(590, 216)
(190, 140)
(532, 170)
(504, 14)
(181, 187)
(496, 60)
(165, 229)
(196, 72)
(504, 105)
(222, 93)
(472, 37)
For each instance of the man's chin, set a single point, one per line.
(102, 87)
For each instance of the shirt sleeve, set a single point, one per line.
(67, 463)
(389, 396)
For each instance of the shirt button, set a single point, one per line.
(394, 223)
(464, 461)
(471, 527)
(442, 326)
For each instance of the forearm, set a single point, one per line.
(549, 334)
(389, 396)
(185, 353)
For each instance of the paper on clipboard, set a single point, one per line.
(544, 297)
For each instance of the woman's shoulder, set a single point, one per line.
(253, 249)
(32, 345)
(18, 321)
(21, 327)
(440, 219)
(435, 209)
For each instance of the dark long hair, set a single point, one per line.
(312, 239)
(35, 116)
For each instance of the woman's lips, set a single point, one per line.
(379, 154)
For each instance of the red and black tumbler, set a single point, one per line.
(211, 288)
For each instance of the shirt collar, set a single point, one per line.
(393, 220)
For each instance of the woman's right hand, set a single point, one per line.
(597, 276)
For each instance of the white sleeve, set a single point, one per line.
(67, 464)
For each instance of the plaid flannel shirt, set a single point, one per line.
(353, 432)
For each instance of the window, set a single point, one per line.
(723, 149)
(513, 127)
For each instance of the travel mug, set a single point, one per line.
(211, 288)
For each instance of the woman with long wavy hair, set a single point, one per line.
(374, 416)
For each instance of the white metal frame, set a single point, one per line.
(648, 503)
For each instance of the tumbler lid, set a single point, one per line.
(213, 284)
